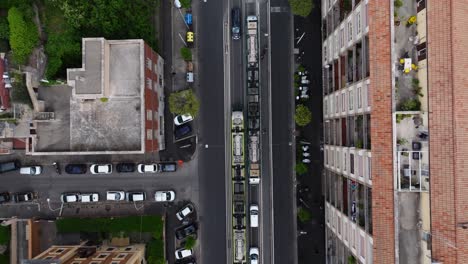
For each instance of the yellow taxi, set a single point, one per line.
(190, 36)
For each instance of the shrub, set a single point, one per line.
(301, 7)
(186, 53)
(23, 35)
(19, 92)
(411, 105)
(4, 235)
(184, 102)
(301, 168)
(351, 260)
(186, 3)
(398, 3)
(400, 117)
(104, 99)
(303, 116)
(190, 242)
(303, 215)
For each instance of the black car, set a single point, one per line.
(185, 231)
(23, 197)
(4, 197)
(235, 20)
(182, 131)
(9, 166)
(76, 168)
(167, 167)
(187, 261)
(126, 167)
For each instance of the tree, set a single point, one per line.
(190, 242)
(23, 35)
(4, 28)
(301, 168)
(303, 115)
(303, 215)
(186, 3)
(184, 102)
(186, 53)
(301, 7)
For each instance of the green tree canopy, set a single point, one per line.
(303, 215)
(184, 102)
(301, 168)
(190, 242)
(303, 115)
(23, 35)
(301, 7)
(186, 53)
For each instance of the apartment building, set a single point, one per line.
(113, 104)
(394, 96)
(86, 254)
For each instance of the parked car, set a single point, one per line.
(167, 167)
(23, 197)
(253, 215)
(136, 196)
(187, 261)
(164, 196)
(70, 197)
(90, 197)
(101, 168)
(148, 168)
(182, 131)
(236, 24)
(125, 167)
(254, 255)
(185, 231)
(9, 166)
(32, 170)
(185, 211)
(190, 37)
(182, 119)
(115, 195)
(4, 197)
(183, 253)
(76, 169)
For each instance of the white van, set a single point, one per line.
(32, 170)
(253, 215)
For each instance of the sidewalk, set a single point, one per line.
(311, 245)
(173, 36)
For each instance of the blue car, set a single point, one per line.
(188, 18)
(182, 131)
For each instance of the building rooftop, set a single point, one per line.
(105, 109)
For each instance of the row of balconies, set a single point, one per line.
(351, 162)
(350, 131)
(350, 101)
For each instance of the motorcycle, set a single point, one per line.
(57, 168)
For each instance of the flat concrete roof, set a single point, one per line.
(124, 69)
(89, 80)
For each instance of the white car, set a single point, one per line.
(182, 253)
(70, 198)
(115, 195)
(148, 168)
(164, 196)
(182, 119)
(184, 212)
(136, 196)
(101, 168)
(32, 170)
(89, 197)
(253, 215)
(254, 255)
(177, 4)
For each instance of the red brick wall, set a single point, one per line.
(381, 132)
(151, 101)
(448, 126)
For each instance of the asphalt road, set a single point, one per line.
(285, 243)
(212, 132)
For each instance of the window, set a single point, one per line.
(155, 67)
(103, 255)
(422, 51)
(155, 86)
(110, 249)
(149, 83)
(49, 257)
(95, 262)
(326, 156)
(351, 99)
(337, 104)
(342, 39)
(325, 53)
(351, 163)
(149, 115)
(121, 256)
(115, 262)
(161, 131)
(128, 248)
(325, 107)
(368, 96)
(343, 102)
(149, 63)
(360, 169)
(160, 80)
(76, 262)
(350, 31)
(149, 134)
(359, 98)
(358, 22)
(345, 165)
(369, 167)
(60, 250)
